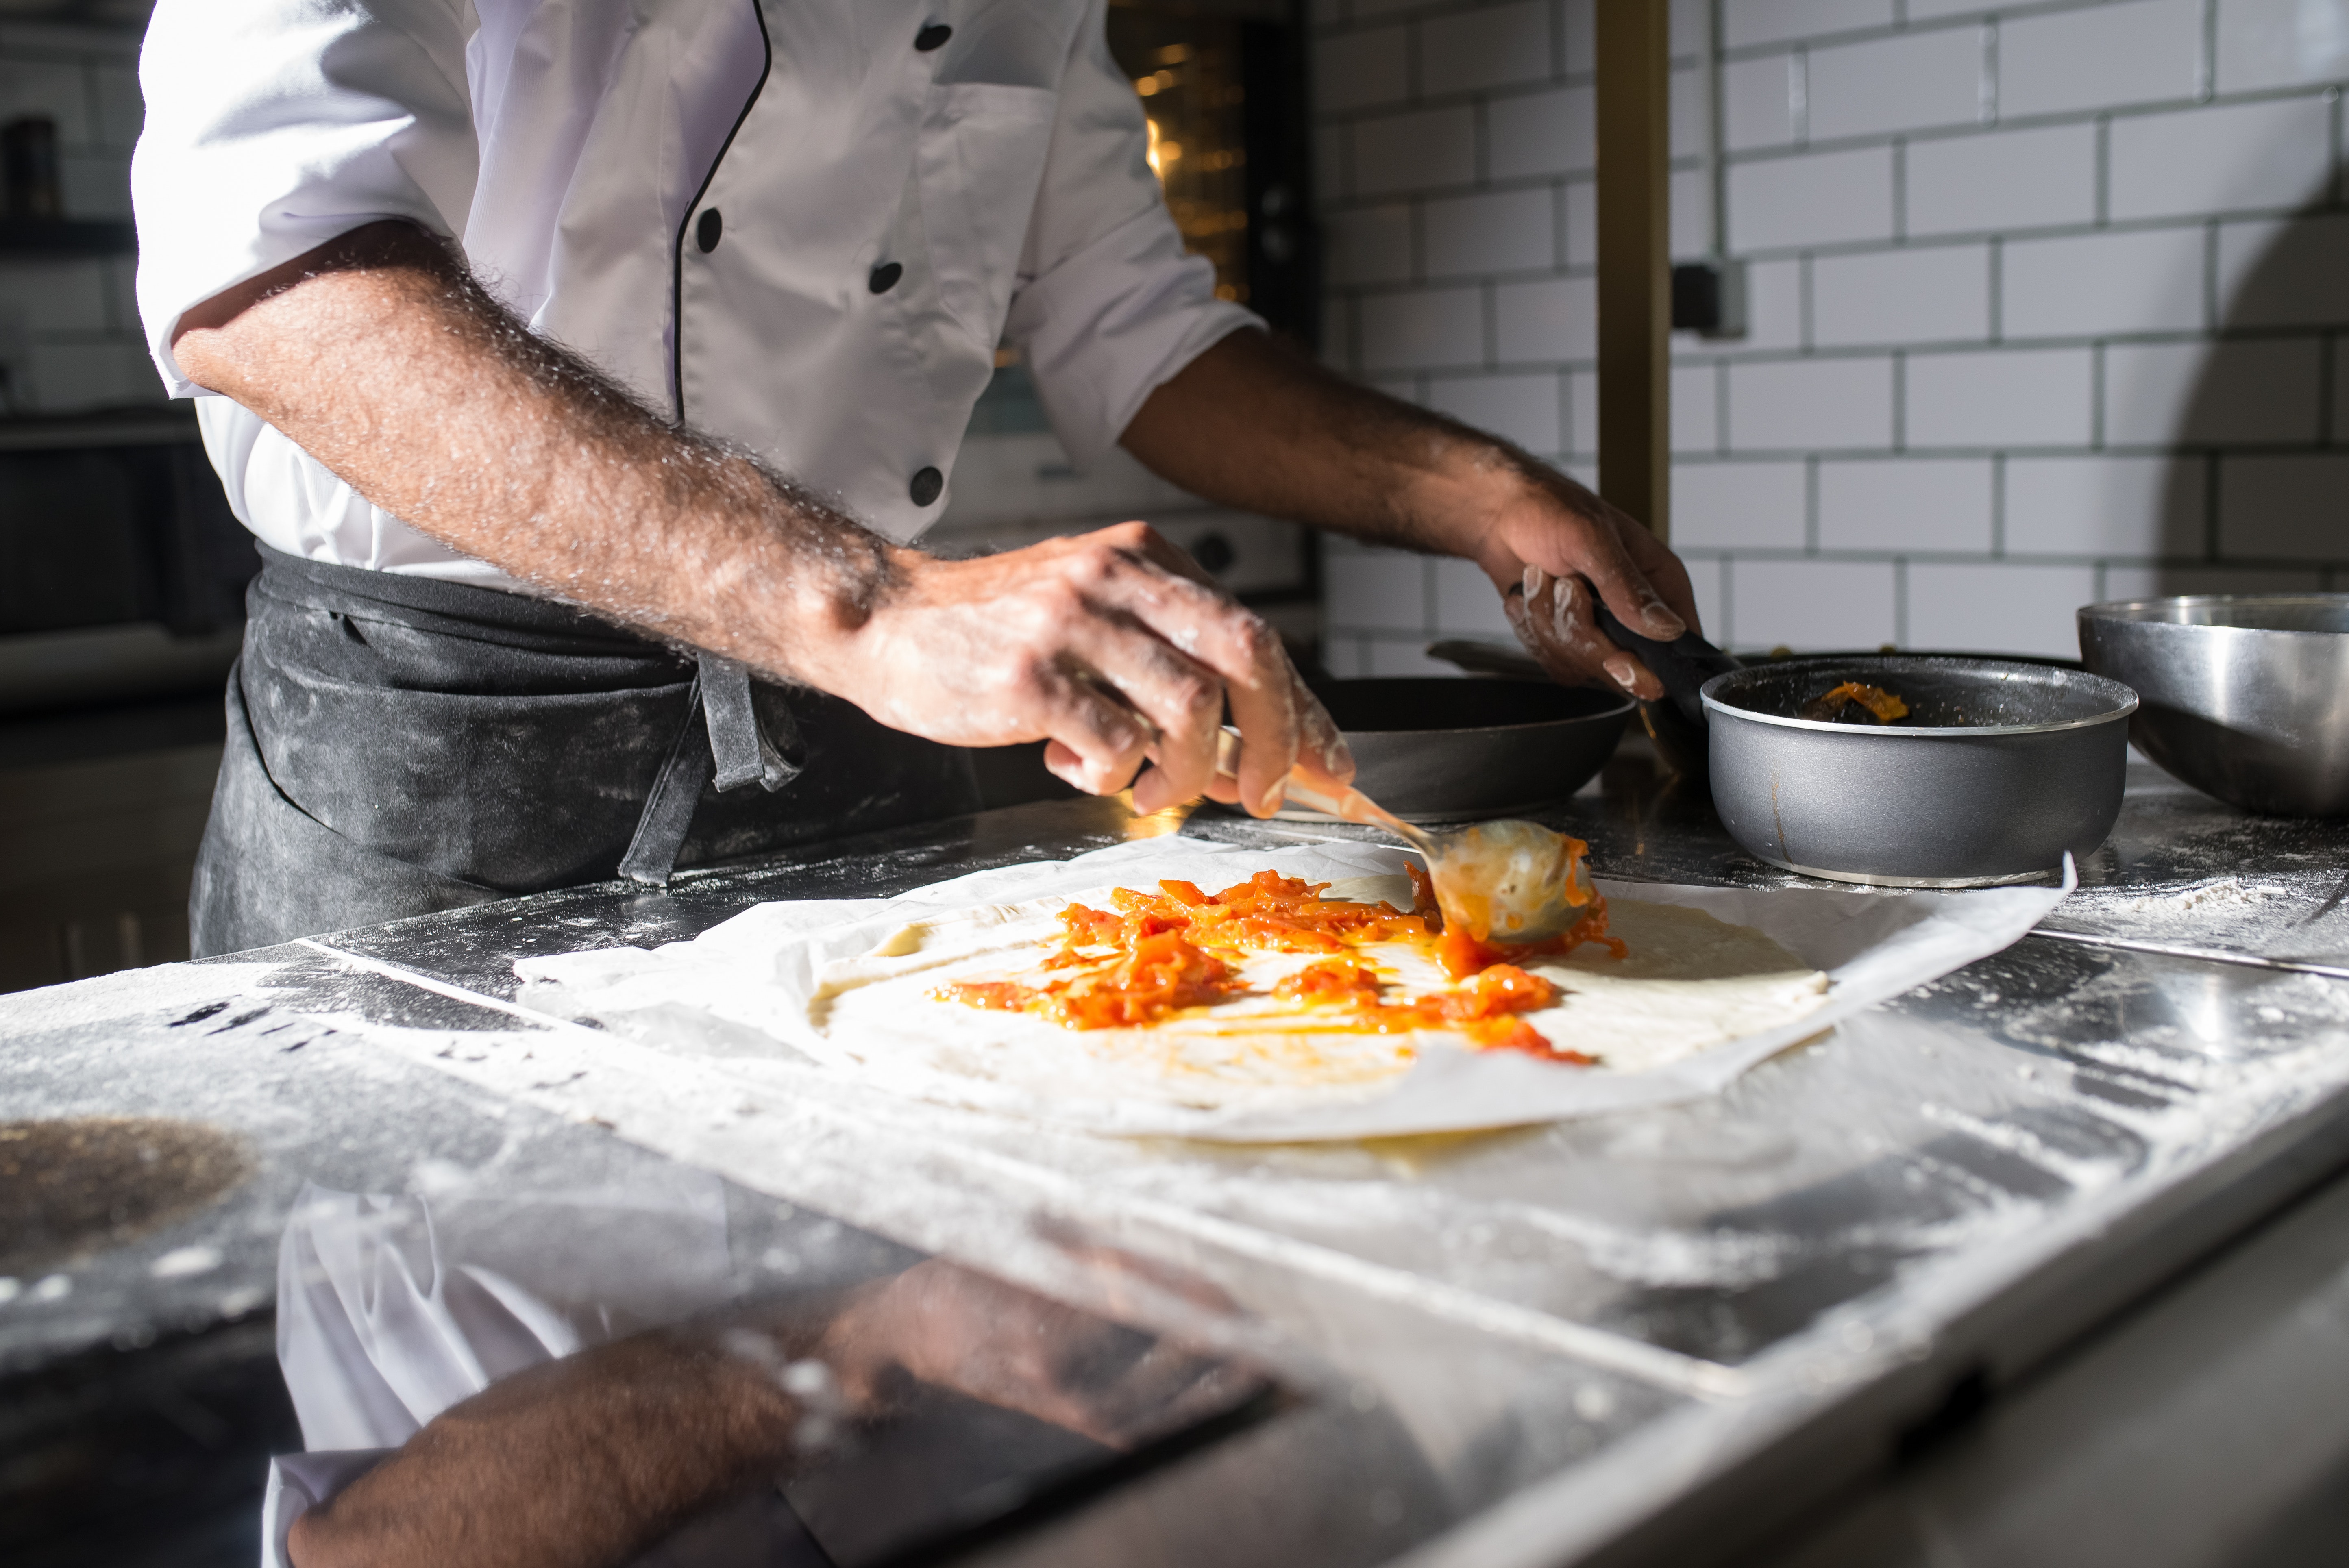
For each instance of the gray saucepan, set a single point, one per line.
(1999, 769)
(1432, 748)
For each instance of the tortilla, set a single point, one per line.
(1690, 980)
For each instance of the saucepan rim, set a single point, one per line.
(2124, 700)
(2146, 612)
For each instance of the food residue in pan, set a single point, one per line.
(1854, 703)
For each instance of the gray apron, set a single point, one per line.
(399, 745)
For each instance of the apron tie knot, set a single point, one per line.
(738, 753)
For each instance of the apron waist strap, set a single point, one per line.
(497, 617)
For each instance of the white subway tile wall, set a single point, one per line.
(1551, 319)
(1791, 404)
(1824, 198)
(2013, 606)
(69, 335)
(2101, 507)
(2279, 506)
(1706, 582)
(2046, 302)
(2227, 158)
(1733, 505)
(1430, 327)
(1837, 604)
(1756, 108)
(1696, 408)
(1465, 603)
(1995, 397)
(1499, 231)
(2094, 57)
(1463, 50)
(2279, 42)
(1935, 506)
(1779, 21)
(2246, 392)
(1906, 81)
(2015, 180)
(1920, 294)
(2284, 273)
(2109, 284)
(1370, 244)
(1527, 409)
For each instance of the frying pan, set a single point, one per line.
(1432, 748)
(1999, 766)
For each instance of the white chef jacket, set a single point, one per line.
(579, 150)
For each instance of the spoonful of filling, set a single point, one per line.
(1507, 882)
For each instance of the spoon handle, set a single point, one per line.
(1353, 805)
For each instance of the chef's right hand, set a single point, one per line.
(1114, 646)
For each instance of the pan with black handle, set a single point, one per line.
(1997, 769)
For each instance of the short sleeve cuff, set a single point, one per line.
(274, 125)
(1112, 324)
(300, 1482)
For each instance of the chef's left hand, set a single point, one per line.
(1256, 425)
(1549, 544)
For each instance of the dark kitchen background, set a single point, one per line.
(122, 570)
(2038, 307)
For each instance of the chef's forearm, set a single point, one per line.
(1255, 425)
(380, 355)
(382, 359)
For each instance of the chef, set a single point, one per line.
(586, 368)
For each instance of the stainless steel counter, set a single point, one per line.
(1643, 1337)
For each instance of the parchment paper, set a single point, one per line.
(739, 989)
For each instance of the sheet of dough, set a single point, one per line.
(743, 990)
(1691, 982)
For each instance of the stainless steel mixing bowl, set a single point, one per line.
(2245, 696)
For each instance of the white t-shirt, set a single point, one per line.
(891, 190)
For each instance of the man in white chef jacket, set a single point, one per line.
(575, 361)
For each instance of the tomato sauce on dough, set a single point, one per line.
(1154, 955)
